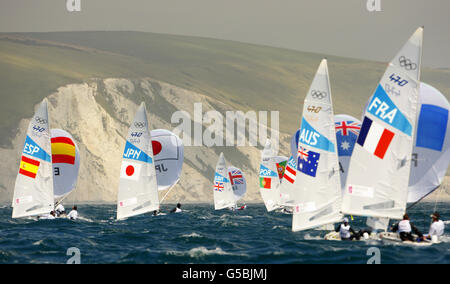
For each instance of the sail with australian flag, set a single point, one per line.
(377, 182)
(138, 188)
(33, 191)
(317, 185)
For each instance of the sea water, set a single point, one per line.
(200, 235)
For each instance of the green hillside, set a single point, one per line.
(33, 65)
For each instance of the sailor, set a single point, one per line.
(176, 209)
(346, 232)
(156, 212)
(404, 229)
(59, 210)
(73, 215)
(437, 227)
(50, 216)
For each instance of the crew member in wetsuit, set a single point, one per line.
(404, 228)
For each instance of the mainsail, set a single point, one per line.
(269, 178)
(33, 191)
(317, 187)
(223, 192)
(377, 182)
(65, 162)
(138, 190)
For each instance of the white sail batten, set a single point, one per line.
(138, 189)
(317, 186)
(33, 191)
(223, 192)
(377, 181)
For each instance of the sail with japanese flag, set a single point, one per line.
(379, 172)
(317, 184)
(222, 190)
(33, 190)
(168, 152)
(138, 188)
(66, 163)
(271, 172)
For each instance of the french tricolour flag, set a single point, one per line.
(375, 138)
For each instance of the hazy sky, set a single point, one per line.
(336, 27)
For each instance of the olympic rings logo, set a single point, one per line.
(407, 63)
(318, 94)
(40, 120)
(139, 124)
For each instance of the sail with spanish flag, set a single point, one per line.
(66, 163)
(33, 190)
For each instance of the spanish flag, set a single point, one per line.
(264, 182)
(29, 167)
(63, 150)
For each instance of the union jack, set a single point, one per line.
(303, 154)
(218, 186)
(236, 177)
(352, 126)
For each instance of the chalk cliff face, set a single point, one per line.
(97, 114)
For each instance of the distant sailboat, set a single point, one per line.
(138, 189)
(33, 191)
(317, 185)
(377, 182)
(223, 192)
(271, 173)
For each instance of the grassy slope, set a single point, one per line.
(243, 75)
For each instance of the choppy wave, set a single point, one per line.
(199, 235)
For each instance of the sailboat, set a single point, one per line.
(33, 190)
(379, 171)
(138, 188)
(223, 191)
(65, 164)
(271, 173)
(317, 185)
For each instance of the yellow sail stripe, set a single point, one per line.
(63, 149)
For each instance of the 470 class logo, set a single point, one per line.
(314, 109)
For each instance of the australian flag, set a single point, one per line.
(308, 161)
(346, 134)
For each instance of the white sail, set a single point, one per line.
(431, 153)
(168, 151)
(377, 182)
(138, 190)
(33, 191)
(317, 187)
(238, 182)
(269, 178)
(347, 131)
(223, 192)
(65, 163)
